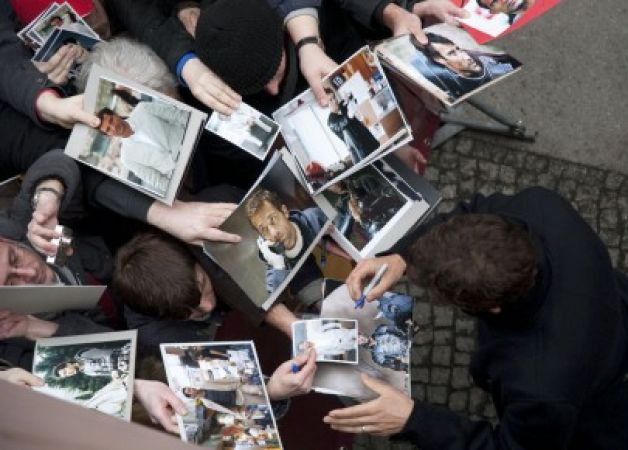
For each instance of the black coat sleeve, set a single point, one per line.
(54, 164)
(161, 31)
(20, 81)
(530, 424)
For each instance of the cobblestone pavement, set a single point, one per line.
(442, 350)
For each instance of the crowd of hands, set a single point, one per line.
(195, 222)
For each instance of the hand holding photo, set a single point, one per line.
(247, 128)
(335, 340)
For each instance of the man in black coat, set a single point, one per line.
(552, 347)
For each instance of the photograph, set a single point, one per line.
(222, 386)
(145, 139)
(361, 120)
(386, 329)
(61, 37)
(376, 206)
(64, 16)
(247, 128)
(452, 66)
(93, 370)
(366, 202)
(335, 340)
(280, 224)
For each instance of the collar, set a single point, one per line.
(298, 246)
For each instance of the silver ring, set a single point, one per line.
(363, 429)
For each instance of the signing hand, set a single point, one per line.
(64, 112)
(385, 415)
(400, 21)
(315, 65)
(285, 384)
(442, 10)
(189, 17)
(21, 377)
(367, 268)
(208, 88)
(193, 222)
(160, 403)
(58, 67)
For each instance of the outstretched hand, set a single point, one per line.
(399, 21)
(193, 222)
(285, 384)
(65, 112)
(385, 415)
(315, 65)
(367, 268)
(208, 88)
(160, 403)
(443, 10)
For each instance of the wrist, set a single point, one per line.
(157, 214)
(313, 40)
(43, 104)
(390, 14)
(38, 328)
(186, 65)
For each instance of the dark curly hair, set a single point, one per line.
(474, 261)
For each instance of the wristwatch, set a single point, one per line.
(308, 40)
(38, 192)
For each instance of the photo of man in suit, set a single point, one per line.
(150, 140)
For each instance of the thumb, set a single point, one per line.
(177, 404)
(31, 380)
(302, 358)
(374, 384)
(319, 91)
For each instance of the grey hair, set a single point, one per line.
(131, 59)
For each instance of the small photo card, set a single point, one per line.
(335, 340)
(247, 128)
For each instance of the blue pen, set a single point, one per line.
(294, 368)
(369, 287)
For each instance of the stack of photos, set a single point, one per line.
(335, 340)
(94, 370)
(451, 67)
(61, 37)
(361, 123)
(145, 139)
(493, 18)
(222, 386)
(374, 208)
(384, 339)
(279, 223)
(247, 128)
(57, 16)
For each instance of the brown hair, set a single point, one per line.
(474, 261)
(257, 199)
(155, 275)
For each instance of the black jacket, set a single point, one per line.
(24, 136)
(555, 361)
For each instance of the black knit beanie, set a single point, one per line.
(241, 41)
